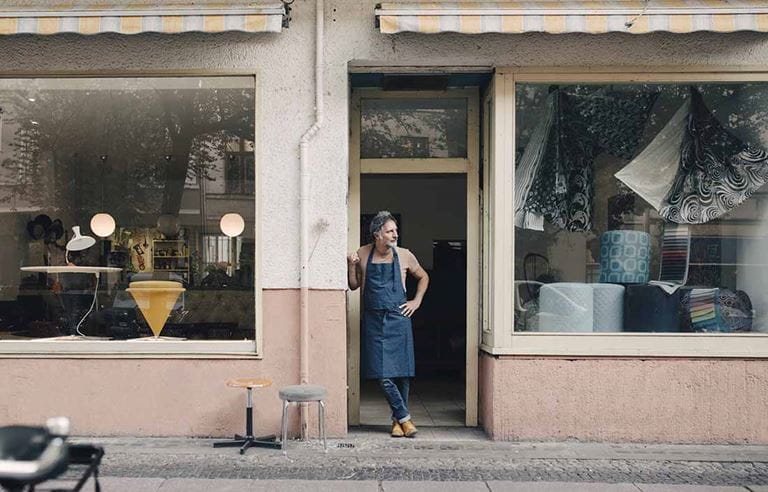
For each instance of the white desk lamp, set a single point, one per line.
(78, 242)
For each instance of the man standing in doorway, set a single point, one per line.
(387, 337)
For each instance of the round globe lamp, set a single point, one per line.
(232, 224)
(103, 225)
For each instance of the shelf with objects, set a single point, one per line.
(171, 255)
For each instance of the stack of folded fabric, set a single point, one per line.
(702, 306)
(716, 310)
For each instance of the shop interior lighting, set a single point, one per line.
(103, 224)
(232, 224)
(79, 242)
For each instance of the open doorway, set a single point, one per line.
(431, 210)
(416, 153)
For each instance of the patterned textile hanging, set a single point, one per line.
(528, 167)
(562, 184)
(717, 170)
(695, 170)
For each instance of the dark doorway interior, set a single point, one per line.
(432, 213)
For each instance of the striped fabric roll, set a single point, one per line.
(529, 165)
(675, 249)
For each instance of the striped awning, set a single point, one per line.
(137, 18)
(596, 17)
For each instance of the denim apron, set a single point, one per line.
(387, 341)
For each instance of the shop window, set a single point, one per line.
(143, 167)
(413, 128)
(641, 208)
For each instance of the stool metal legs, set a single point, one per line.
(284, 425)
(320, 423)
(248, 440)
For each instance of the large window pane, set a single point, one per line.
(413, 128)
(641, 207)
(166, 158)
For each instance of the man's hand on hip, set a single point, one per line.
(409, 307)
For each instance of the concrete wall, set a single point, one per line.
(633, 400)
(182, 397)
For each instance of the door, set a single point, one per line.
(418, 133)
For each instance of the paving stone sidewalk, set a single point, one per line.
(368, 457)
(241, 485)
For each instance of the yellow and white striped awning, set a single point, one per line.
(137, 18)
(595, 16)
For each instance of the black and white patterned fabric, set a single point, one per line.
(717, 171)
(562, 188)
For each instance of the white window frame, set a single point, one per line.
(502, 340)
(205, 349)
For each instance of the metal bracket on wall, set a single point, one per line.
(287, 15)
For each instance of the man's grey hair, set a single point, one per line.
(377, 223)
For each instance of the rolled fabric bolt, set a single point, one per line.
(625, 257)
(566, 307)
(608, 308)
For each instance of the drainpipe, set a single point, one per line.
(304, 204)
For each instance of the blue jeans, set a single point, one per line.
(396, 392)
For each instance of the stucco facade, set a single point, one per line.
(630, 400)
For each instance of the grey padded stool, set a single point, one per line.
(302, 393)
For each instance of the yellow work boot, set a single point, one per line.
(397, 431)
(409, 429)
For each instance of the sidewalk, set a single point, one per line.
(229, 485)
(440, 459)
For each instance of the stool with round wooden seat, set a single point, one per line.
(248, 440)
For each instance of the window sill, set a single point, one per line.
(720, 345)
(145, 348)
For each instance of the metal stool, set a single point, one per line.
(302, 393)
(248, 440)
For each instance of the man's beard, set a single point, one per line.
(392, 244)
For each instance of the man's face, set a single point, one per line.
(388, 234)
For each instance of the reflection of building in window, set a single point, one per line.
(222, 252)
(413, 128)
(239, 167)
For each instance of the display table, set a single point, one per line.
(96, 270)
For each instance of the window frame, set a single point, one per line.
(502, 339)
(194, 349)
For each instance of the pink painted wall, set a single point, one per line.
(634, 400)
(186, 397)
